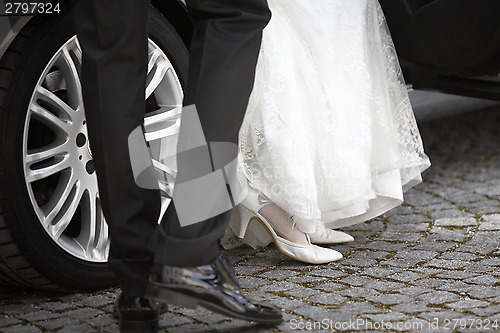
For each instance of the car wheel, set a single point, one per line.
(52, 231)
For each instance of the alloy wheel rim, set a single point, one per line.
(57, 156)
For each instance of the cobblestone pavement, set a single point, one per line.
(429, 265)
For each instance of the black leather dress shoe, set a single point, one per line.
(213, 287)
(136, 314)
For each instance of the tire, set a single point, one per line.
(32, 253)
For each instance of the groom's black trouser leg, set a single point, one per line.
(223, 56)
(113, 36)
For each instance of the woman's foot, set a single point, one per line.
(281, 222)
(257, 211)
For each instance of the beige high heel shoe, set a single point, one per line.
(253, 220)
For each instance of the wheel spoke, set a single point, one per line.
(153, 58)
(55, 101)
(61, 225)
(58, 200)
(71, 75)
(155, 77)
(89, 230)
(40, 154)
(50, 119)
(102, 236)
(58, 165)
(165, 122)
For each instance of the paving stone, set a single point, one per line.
(357, 292)
(490, 262)
(440, 316)
(453, 213)
(367, 226)
(400, 263)
(302, 292)
(15, 309)
(328, 299)
(467, 304)
(252, 282)
(412, 308)
(244, 270)
(415, 198)
(386, 285)
(483, 207)
(366, 254)
(97, 301)
(408, 227)
(482, 292)
(399, 236)
(446, 264)
(329, 273)
(389, 299)
(482, 243)
(379, 272)
(355, 280)
(359, 262)
(8, 321)
(308, 279)
(58, 323)
(386, 317)
(173, 319)
(313, 312)
(83, 313)
(361, 307)
(57, 306)
(277, 275)
(456, 275)
(445, 234)
(487, 311)
(491, 222)
(439, 297)
(78, 328)
(431, 243)
(485, 280)
(431, 283)
(459, 256)
(277, 287)
(386, 246)
(21, 329)
(330, 286)
(480, 268)
(406, 276)
(456, 286)
(417, 255)
(414, 291)
(38, 315)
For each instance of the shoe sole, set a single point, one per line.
(174, 298)
(326, 243)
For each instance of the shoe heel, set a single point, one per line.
(135, 326)
(255, 234)
(170, 297)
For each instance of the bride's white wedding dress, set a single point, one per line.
(329, 133)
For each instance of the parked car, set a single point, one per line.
(52, 231)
